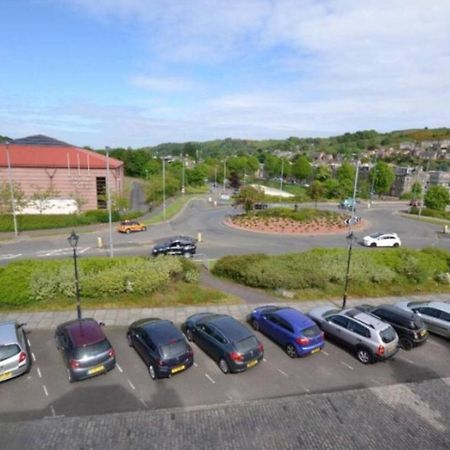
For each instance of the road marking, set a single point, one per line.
(143, 402)
(29, 343)
(283, 373)
(131, 384)
(375, 381)
(347, 365)
(120, 368)
(52, 409)
(39, 372)
(209, 378)
(307, 390)
(45, 390)
(195, 365)
(34, 357)
(431, 342)
(83, 250)
(407, 360)
(10, 256)
(325, 353)
(264, 359)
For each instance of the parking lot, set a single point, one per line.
(46, 391)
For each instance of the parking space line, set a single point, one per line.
(29, 343)
(283, 373)
(131, 384)
(347, 365)
(120, 368)
(34, 357)
(143, 402)
(264, 359)
(407, 360)
(209, 378)
(52, 409)
(431, 342)
(325, 353)
(195, 364)
(375, 381)
(45, 390)
(39, 372)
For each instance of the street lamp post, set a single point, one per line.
(164, 186)
(108, 199)
(11, 189)
(281, 178)
(73, 241)
(224, 173)
(182, 174)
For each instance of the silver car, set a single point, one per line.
(369, 337)
(436, 315)
(14, 351)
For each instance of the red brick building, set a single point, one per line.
(39, 163)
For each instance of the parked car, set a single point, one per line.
(410, 328)
(131, 226)
(181, 245)
(348, 203)
(415, 203)
(231, 344)
(370, 338)
(436, 315)
(260, 206)
(297, 334)
(85, 349)
(14, 351)
(161, 345)
(382, 240)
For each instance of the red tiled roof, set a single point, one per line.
(54, 156)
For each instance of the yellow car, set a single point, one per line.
(130, 226)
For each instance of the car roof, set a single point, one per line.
(366, 319)
(162, 331)
(395, 310)
(84, 332)
(8, 332)
(295, 317)
(230, 327)
(440, 305)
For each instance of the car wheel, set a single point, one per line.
(187, 255)
(130, 342)
(144, 228)
(189, 334)
(396, 244)
(255, 325)
(364, 356)
(128, 231)
(151, 371)
(223, 366)
(405, 343)
(373, 244)
(290, 350)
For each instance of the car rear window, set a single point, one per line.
(387, 335)
(8, 351)
(246, 344)
(92, 350)
(311, 331)
(173, 349)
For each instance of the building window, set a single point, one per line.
(101, 192)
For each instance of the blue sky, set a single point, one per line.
(142, 72)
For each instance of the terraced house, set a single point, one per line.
(45, 168)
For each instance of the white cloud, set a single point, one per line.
(164, 84)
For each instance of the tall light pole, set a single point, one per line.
(108, 199)
(350, 238)
(224, 172)
(215, 177)
(281, 178)
(164, 186)
(73, 241)
(182, 174)
(11, 190)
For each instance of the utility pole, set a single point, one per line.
(224, 173)
(164, 187)
(11, 189)
(182, 174)
(281, 178)
(108, 199)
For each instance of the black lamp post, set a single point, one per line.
(350, 237)
(73, 241)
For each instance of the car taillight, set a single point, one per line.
(380, 351)
(261, 347)
(22, 357)
(111, 353)
(302, 341)
(74, 363)
(236, 356)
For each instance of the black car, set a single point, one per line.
(409, 326)
(181, 245)
(161, 345)
(85, 348)
(231, 344)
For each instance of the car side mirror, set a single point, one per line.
(20, 325)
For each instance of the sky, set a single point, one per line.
(134, 73)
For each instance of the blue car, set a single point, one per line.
(291, 329)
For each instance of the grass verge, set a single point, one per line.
(171, 210)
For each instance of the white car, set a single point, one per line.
(382, 240)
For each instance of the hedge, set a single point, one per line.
(319, 267)
(30, 281)
(431, 213)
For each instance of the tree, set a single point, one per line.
(272, 166)
(5, 197)
(382, 177)
(316, 191)
(248, 196)
(437, 197)
(345, 176)
(41, 198)
(301, 168)
(234, 180)
(322, 173)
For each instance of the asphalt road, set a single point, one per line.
(218, 240)
(46, 391)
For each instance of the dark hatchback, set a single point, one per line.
(85, 348)
(161, 345)
(180, 245)
(410, 328)
(231, 344)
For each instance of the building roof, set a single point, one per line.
(39, 139)
(54, 154)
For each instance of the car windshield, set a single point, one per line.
(173, 349)
(330, 312)
(246, 344)
(376, 235)
(92, 350)
(388, 335)
(8, 351)
(311, 332)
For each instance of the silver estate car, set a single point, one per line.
(436, 315)
(14, 351)
(369, 337)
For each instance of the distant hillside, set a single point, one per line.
(4, 138)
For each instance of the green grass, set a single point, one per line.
(171, 210)
(432, 220)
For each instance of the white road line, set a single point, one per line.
(34, 357)
(29, 343)
(209, 378)
(375, 381)
(325, 353)
(143, 402)
(45, 390)
(407, 360)
(131, 384)
(84, 250)
(195, 365)
(431, 342)
(39, 372)
(347, 365)
(10, 256)
(283, 373)
(120, 368)
(307, 390)
(264, 359)
(52, 409)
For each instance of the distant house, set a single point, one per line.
(405, 177)
(40, 163)
(439, 178)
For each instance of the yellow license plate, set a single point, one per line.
(316, 350)
(252, 363)
(5, 376)
(178, 369)
(423, 332)
(96, 370)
